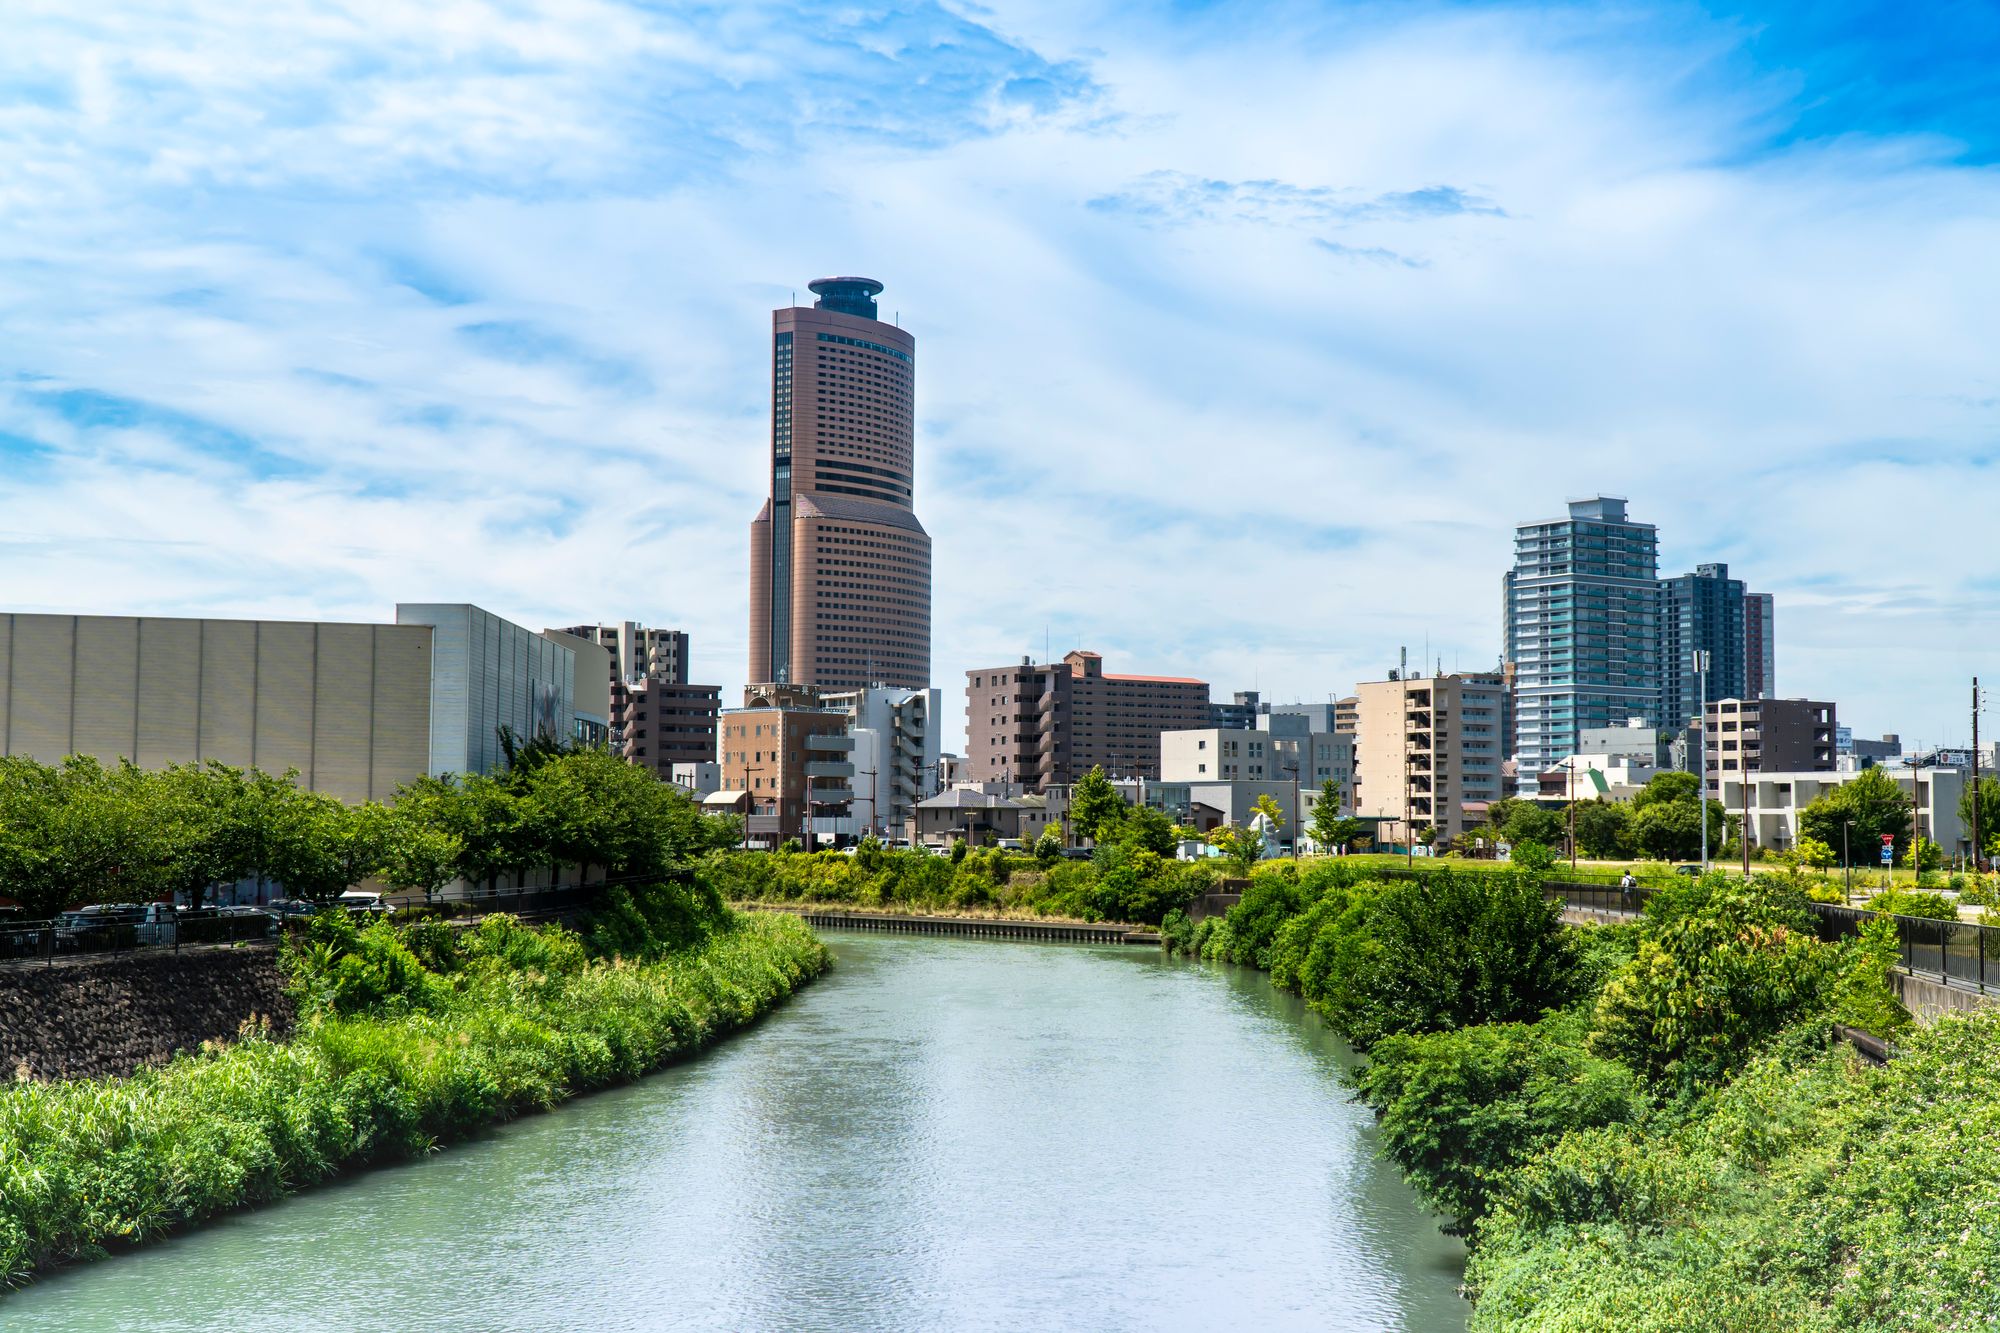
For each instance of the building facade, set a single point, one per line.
(1760, 638)
(1045, 725)
(1582, 630)
(1239, 714)
(657, 718)
(793, 755)
(840, 568)
(489, 674)
(1775, 798)
(1700, 612)
(348, 706)
(1428, 753)
(1227, 754)
(895, 758)
(1768, 736)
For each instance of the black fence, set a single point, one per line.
(46, 941)
(1959, 953)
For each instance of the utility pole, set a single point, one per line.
(1743, 834)
(1916, 811)
(1570, 767)
(1701, 675)
(1975, 775)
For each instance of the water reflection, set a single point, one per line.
(942, 1134)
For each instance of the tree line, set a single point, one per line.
(82, 831)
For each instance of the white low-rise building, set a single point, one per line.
(1775, 799)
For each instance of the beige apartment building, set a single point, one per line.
(1427, 753)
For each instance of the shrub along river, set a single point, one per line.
(939, 1134)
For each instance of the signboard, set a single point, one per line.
(1888, 853)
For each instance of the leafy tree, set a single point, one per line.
(1444, 951)
(1267, 806)
(1604, 829)
(1093, 803)
(1242, 847)
(416, 855)
(1812, 852)
(1459, 1110)
(1528, 822)
(320, 848)
(1671, 788)
(1984, 800)
(1327, 824)
(1533, 859)
(1924, 854)
(1867, 807)
(1049, 847)
(1144, 828)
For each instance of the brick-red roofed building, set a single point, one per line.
(1047, 725)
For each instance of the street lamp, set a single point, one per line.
(1845, 859)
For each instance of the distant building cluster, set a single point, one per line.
(1608, 674)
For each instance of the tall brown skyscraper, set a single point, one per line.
(840, 568)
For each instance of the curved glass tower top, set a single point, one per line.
(846, 296)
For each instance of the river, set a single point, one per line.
(939, 1134)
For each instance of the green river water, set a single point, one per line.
(939, 1134)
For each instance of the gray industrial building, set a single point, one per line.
(357, 709)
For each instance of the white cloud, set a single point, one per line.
(1233, 438)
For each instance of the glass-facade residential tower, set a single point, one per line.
(1700, 612)
(1583, 630)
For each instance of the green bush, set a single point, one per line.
(1446, 951)
(87, 1164)
(1814, 1191)
(1912, 902)
(1460, 1111)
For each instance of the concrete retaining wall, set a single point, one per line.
(1927, 999)
(109, 1016)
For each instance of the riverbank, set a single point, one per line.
(1121, 883)
(937, 1134)
(409, 1040)
(1652, 1127)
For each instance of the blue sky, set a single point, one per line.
(1246, 332)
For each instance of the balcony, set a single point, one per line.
(829, 768)
(822, 796)
(832, 744)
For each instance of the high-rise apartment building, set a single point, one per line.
(658, 719)
(1427, 753)
(840, 568)
(1760, 657)
(1049, 724)
(1582, 626)
(1700, 612)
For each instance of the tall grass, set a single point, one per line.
(93, 1164)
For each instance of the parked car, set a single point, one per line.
(99, 916)
(1077, 853)
(360, 900)
(285, 909)
(1687, 870)
(159, 923)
